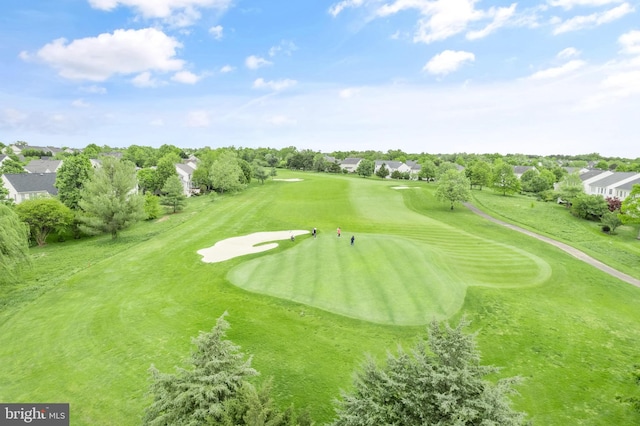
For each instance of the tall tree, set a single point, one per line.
(479, 174)
(196, 395)
(226, 174)
(44, 215)
(630, 208)
(453, 187)
(365, 168)
(166, 167)
(569, 187)
(14, 244)
(382, 172)
(147, 180)
(109, 201)
(74, 172)
(11, 166)
(173, 194)
(151, 206)
(440, 382)
(504, 179)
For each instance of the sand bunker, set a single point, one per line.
(290, 180)
(246, 244)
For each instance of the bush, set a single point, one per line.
(606, 229)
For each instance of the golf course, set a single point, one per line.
(92, 315)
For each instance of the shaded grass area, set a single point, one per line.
(91, 336)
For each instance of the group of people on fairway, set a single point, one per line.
(314, 232)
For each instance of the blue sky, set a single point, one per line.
(438, 76)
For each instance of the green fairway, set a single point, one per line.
(91, 317)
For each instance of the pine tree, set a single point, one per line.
(197, 394)
(173, 194)
(439, 382)
(109, 201)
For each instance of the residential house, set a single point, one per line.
(46, 149)
(392, 166)
(185, 173)
(43, 166)
(23, 186)
(607, 185)
(520, 170)
(3, 158)
(415, 168)
(350, 164)
(623, 191)
(592, 176)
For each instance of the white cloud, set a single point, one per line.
(79, 103)
(349, 92)
(186, 77)
(97, 90)
(555, 72)
(630, 42)
(176, 12)
(123, 52)
(569, 4)
(216, 31)
(448, 61)
(285, 47)
(227, 68)
(145, 80)
(254, 62)
(593, 20)
(569, 52)
(500, 17)
(445, 18)
(340, 6)
(275, 85)
(198, 119)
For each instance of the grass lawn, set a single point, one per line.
(93, 315)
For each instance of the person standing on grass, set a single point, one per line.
(339, 231)
(353, 239)
(315, 231)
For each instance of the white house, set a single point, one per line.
(591, 176)
(392, 166)
(23, 186)
(350, 164)
(185, 173)
(606, 186)
(623, 191)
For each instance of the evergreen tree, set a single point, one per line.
(14, 244)
(109, 201)
(173, 194)
(440, 382)
(569, 187)
(382, 172)
(196, 395)
(151, 206)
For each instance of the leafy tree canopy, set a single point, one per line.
(173, 194)
(74, 172)
(453, 187)
(44, 215)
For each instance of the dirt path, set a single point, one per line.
(572, 251)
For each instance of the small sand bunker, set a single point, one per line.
(290, 180)
(404, 187)
(246, 244)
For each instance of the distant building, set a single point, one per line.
(24, 186)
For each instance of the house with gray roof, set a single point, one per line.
(622, 191)
(606, 185)
(24, 186)
(185, 173)
(350, 164)
(43, 166)
(392, 166)
(520, 170)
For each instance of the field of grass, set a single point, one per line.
(93, 315)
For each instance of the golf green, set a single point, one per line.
(388, 279)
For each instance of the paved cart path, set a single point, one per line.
(571, 250)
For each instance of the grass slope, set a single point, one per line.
(94, 314)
